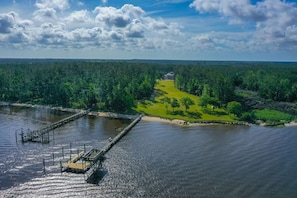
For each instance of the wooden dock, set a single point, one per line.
(76, 164)
(42, 135)
(108, 146)
(98, 165)
(82, 162)
(91, 161)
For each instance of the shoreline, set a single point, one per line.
(290, 124)
(144, 117)
(184, 123)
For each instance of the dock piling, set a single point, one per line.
(43, 161)
(70, 150)
(42, 135)
(61, 167)
(16, 136)
(53, 136)
(22, 135)
(63, 152)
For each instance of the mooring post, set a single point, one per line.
(48, 137)
(54, 136)
(84, 148)
(16, 136)
(63, 152)
(53, 158)
(70, 150)
(22, 134)
(43, 165)
(77, 151)
(61, 167)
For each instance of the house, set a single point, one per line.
(169, 76)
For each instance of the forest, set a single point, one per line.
(275, 81)
(111, 86)
(118, 85)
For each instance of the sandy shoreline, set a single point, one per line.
(163, 120)
(291, 124)
(144, 118)
(184, 123)
(113, 115)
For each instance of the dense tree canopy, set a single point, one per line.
(234, 108)
(117, 86)
(218, 80)
(100, 85)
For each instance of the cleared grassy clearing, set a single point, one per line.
(166, 88)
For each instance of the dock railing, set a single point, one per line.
(42, 135)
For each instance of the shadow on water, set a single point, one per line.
(97, 176)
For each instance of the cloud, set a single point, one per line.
(7, 22)
(120, 18)
(50, 34)
(13, 30)
(239, 11)
(55, 4)
(45, 14)
(81, 17)
(274, 21)
(110, 16)
(158, 25)
(135, 30)
(127, 28)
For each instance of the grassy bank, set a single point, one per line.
(272, 117)
(165, 88)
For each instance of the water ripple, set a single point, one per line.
(153, 160)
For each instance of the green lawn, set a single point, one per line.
(165, 88)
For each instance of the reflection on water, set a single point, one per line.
(153, 160)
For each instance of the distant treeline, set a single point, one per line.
(112, 86)
(275, 81)
(117, 86)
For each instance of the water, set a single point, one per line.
(153, 160)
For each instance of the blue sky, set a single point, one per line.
(263, 30)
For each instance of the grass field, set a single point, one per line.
(268, 115)
(166, 88)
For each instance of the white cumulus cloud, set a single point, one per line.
(81, 17)
(55, 4)
(7, 22)
(275, 21)
(45, 14)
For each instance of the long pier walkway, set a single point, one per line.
(42, 135)
(90, 161)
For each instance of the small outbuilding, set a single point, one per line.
(169, 76)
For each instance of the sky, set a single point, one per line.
(243, 30)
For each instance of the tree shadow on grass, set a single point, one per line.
(189, 114)
(177, 112)
(214, 112)
(160, 93)
(195, 115)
